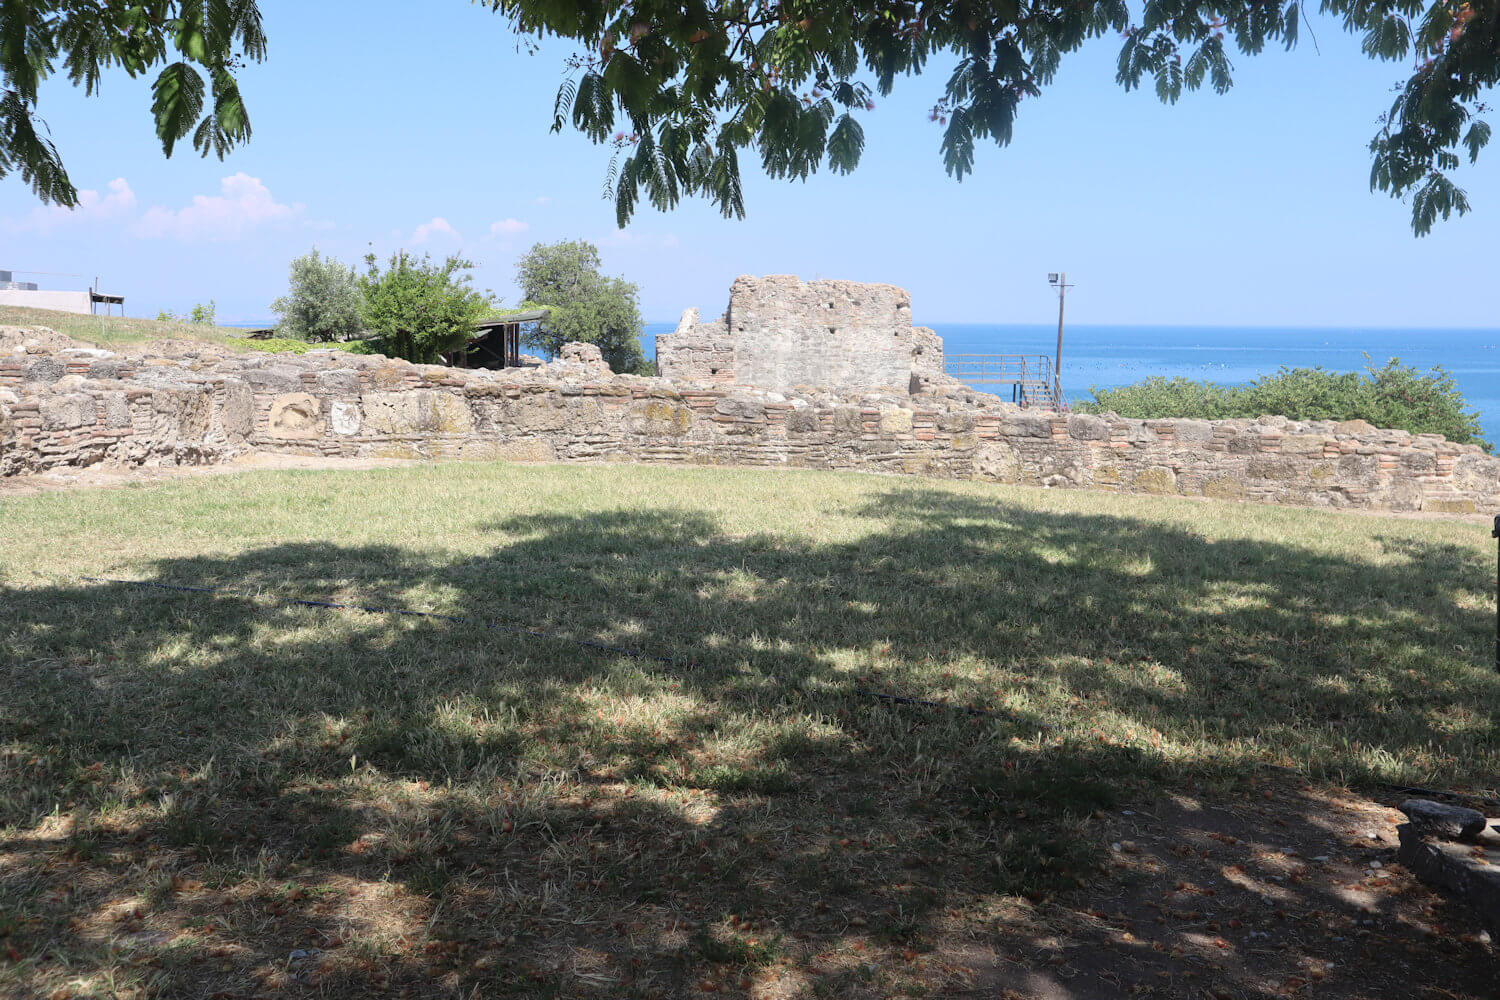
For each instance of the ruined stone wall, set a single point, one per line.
(74, 408)
(781, 332)
(697, 352)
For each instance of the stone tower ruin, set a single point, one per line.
(780, 332)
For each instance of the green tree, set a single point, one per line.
(679, 90)
(203, 315)
(584, 305)
(421, 310)
(323, 300)
(189, 39)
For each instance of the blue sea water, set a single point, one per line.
(1107, 356)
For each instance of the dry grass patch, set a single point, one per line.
(116, 331)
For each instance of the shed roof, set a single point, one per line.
(520, 316)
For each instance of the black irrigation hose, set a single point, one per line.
(893, 699)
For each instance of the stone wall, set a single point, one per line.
(780, 332)
(76, 408)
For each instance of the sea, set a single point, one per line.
(1106, 356)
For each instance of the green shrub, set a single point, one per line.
(323, 300)
(1394, 395)
(421, 310)
(201, 314)
(280, 345)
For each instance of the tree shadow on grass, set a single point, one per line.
(423, 804)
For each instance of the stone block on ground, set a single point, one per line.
(1468, 872)
(1439, 819)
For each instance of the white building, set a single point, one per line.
(26, 293)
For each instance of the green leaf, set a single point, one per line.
(1169, 81)
(845, 144)
(958, 144)
(1389, 38)
(192, 37)
(1220, 69)
(626, 192)
(24, 148)
(177, 103)
(566, 93)
(1476, 139)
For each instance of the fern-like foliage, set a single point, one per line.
(790, 79)
(198, 45)
(26, 149)
(177, 100)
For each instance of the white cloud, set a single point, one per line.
(438, 226)
(505, 226)
(243, 203)
(542, 199)
(92, 207)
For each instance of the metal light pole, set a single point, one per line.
(1059, 280)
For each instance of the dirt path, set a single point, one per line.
(103, 476)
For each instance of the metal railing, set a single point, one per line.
(1031, 377)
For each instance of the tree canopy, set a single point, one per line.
(324, 301)
(679, 90)
(584, 305)
(189, 39)
(420, 309)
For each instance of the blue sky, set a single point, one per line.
(430, 132)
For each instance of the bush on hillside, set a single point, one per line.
(420, 309)
(323, 301)
(1394, 395)
(201, 315)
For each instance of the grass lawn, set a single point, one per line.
(232, 797)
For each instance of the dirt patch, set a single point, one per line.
(103, 477)
(1292, 890)
(173, 349)
(1286, 891)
